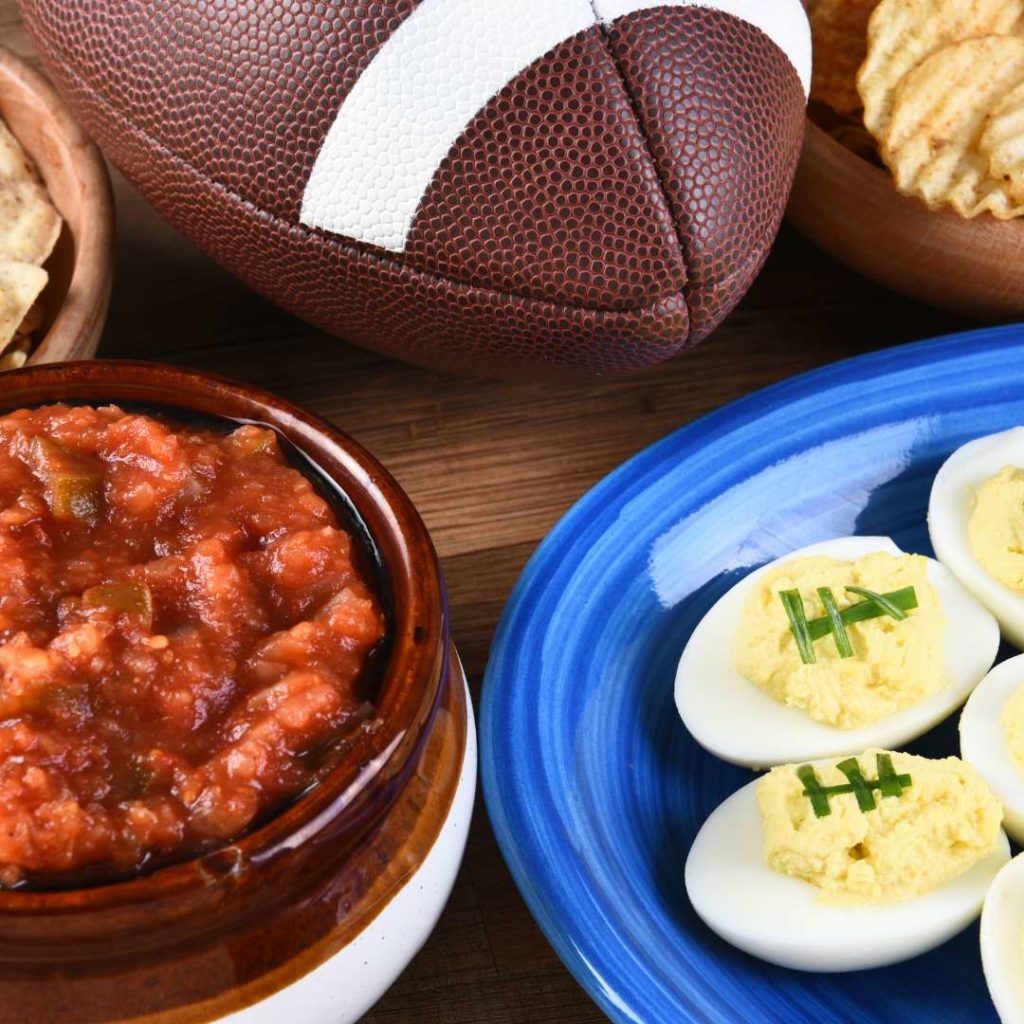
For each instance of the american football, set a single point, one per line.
(519, 188)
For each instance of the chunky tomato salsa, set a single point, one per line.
(184, 630)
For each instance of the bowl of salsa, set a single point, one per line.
(233, 731)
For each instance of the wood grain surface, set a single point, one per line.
(491, 466)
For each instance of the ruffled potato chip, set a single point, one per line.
(839, 32)
(903, 33)
(939, 111)
(1002, 143)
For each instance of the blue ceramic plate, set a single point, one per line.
(595, 788)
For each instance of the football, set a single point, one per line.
(520, 188)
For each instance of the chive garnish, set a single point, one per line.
(896, 604)
(905, 600)
(794, 605)
(835, 619)
(888, 783)
(861, 790)
(814, 790)
(889, 607)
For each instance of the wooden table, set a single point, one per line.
(491, 467)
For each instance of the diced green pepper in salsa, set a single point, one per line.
(130, 598)
(74, 485)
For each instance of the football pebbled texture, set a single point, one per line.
(372, 168)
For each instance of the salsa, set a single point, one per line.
(185, 628)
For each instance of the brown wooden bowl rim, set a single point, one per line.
(413, 679)
(880, 178)
(83, 308)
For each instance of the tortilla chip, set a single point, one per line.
(20, 286)
(14, 161)
(33, 319)
(29, 225)
(13, 360)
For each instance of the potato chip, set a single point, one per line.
(839, 32)
(938, 114)
(903, 33)
(1002, 143)
(20, 286)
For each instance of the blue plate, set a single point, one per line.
(594, 786)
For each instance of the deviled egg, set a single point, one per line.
(976, 522)
(840, 646)
(839, 866)
(1002, 942)
(992, 738)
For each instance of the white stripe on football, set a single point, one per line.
(443, 64)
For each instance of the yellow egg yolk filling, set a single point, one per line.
(895, 663)
(942, 824)
(1012, 720)
(995, 528)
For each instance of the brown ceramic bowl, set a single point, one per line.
(81, 266)
(851, 208)
(193, 940)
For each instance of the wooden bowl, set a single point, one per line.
(851, 208)
(81, 266)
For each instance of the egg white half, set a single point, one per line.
(734, 719)
(1002, 951)
(983, 742)
(949, 512)
(778, 918)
